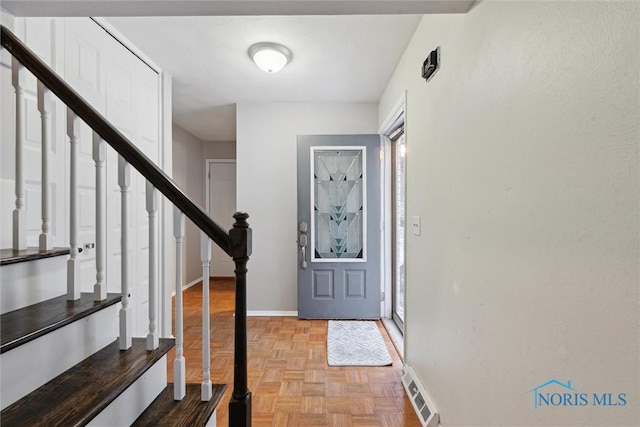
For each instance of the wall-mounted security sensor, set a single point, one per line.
(431, 64)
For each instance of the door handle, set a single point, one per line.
(303, 263)
(302, 242)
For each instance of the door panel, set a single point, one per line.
(338, 227)
(83, 63)
(126, 91)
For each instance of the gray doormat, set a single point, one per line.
(356, 343)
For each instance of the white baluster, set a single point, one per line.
(73, 265)
(152, 208)
(19, 213)
(44, 106)
(205, 256)
(99, 157)
(179, 379)
(124, 181)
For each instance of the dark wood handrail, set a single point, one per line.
(115, 139)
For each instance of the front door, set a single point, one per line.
(339, 227)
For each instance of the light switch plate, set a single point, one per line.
(416, 229)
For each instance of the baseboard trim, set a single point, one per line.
(272, 313)
(188, 285)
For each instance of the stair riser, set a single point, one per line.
(125, 409)
(212, 421)
(42, 359)
(31, 282)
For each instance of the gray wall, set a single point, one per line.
(188, 172)
(219, 150)
(523, 164)
(266, 187)
(189, 154)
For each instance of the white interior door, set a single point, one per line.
(221, 178)
(126, 91)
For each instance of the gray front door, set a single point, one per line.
(339, 227)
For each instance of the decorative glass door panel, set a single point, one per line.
(338, 204)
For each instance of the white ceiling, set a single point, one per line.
(335, 59)
(343, 51)
(231, 7)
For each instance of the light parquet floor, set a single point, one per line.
(292, 384)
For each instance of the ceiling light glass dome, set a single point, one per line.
(270, 57)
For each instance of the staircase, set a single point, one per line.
(69, 358)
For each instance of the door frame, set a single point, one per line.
(207, 164)
(372, 221)
(397, 112)
(207, 189)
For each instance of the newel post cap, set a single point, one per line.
(240, 236)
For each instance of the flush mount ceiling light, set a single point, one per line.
(270, 57)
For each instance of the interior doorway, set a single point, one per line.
(221, 205)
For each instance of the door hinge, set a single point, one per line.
(381, 154)
(382, 296)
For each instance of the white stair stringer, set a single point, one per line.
(30, 282)
(127, 407)
(28, 366)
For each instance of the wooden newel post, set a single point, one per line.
(240, 249)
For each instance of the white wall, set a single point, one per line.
(266, 162)
(523, 164)
(188, 173)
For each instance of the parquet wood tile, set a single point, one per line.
(260, 419)
(313, 405)
(341, 420)
(293, 375)
(307, 420)
(366, 421)
(289, 404)
(310, 389)
(291, 383)
(338, 405)
(337, 389)
(291, 388)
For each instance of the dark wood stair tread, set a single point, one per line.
(28, 323)
(79, 394)
(10, 256)
(188, 412)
